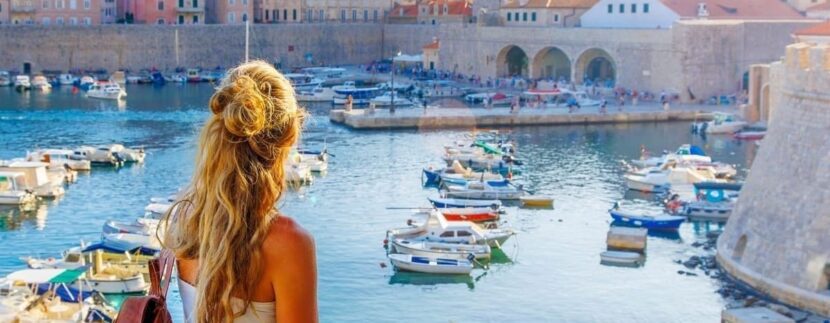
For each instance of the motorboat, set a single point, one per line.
(327, 73)
(157, 210)
(302, 81)
(128, 155)
(101, 155)
(441, 249)
(66, 79)
(387, 99)
(494, 98)
(438, 229)
(430, 265)
(358, 95)
(297, 173)
(40, 82)
(36, 178)
(144, 226)
(131, 241)
(464, 203)
(456, 174)
(86, 82)
(623, 258)
(480, 214)
(651, 222)
(5, 79)
(176, 78)
(715, 201)
(58, 158)
(106, 90)
(315, 162)
(660, 179)
(11, 191)
(22, 83)
(317, 94)
(684, 153)
(540, 201)
(193, 75)
(73, 258)
(485, 190)
(721, 123)
(119, 77)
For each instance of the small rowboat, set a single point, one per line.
(626, 258)
(431, 265)
(461, 203)
(470, 214)
(536, 201)
(651, 222)
(440, 249)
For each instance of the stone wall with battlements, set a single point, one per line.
(777, 237)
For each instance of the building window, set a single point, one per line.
(294, 14)
(46, 21)
(244, 17)
(276, 15)
(266, 15)
(446, 9)
(160, 5)
(181, 19)
(633, 8)
(73, 4)
(284, 14)
(556, 18)
(375, 16)
(610, 8)
(524, 16)
(245, 2)
(231, 18)
(87, 21)
(343, 15)
(195, 19)
(365, 15)
(533, 16)
(230, 2)
(45, 4)
(181, 4)
(645, 8)
(310, 15)
(622, 8)
(160, 21)
(73, 21)
(59, 20)
(509, 16)
(195, 4)
(87, 4)
(354, 15)
(322, 14)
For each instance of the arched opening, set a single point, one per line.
(596, 66)
(512, 61)
(739, 248)
(552, 63)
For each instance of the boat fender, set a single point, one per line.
(494, 206)
(409, 222)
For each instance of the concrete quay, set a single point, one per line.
(408, 118)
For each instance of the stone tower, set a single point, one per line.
(778, 237)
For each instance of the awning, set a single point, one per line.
(408, 58)
(40, 276)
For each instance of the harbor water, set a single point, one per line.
(550, 271)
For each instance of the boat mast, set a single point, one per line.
(176, 49)
(247, 34)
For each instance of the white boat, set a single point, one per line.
(495, 98)
(486, 190)
(438, 229)
(441, 249)
(359, 95)
(36, 178)
(58, 158)
(658, 179)
(584, 100)
(156, 210)
(193, 75)
(129, 155)
(317, 94)
(96, 156)
(40, 82)
(66, 79)
(684, 153)
(176, 78)
(106, 90)
(86, 81)
(22, 83)
(625, 258)
(303, 82)
(386, 100)
(721, 123)
(130, 241)
(11, 191)
(326, 73)
(5, 79)
(317, 163)
(431, 265)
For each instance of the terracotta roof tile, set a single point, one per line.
(822, 29)
(735, 9)
(549, 4)
(433, 45)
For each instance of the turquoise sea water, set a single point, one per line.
(549, 272)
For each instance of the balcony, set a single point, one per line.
(22, 7)
(190, 9)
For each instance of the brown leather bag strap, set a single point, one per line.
(161, 271)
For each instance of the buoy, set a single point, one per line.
(385, 242)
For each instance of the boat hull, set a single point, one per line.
(651, 223)
(635, 183)
(433, 266)
(461, 203)
(450, 251)
(135, 284)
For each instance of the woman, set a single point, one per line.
(238, 258)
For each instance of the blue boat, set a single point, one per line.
(66, 293)
(442, 203)
(656, 222)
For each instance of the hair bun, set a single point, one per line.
(242, 107)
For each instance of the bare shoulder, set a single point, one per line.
(287, 240)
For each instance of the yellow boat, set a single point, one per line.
(536, 201)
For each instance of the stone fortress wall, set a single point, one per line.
(777, 237)
(700, 58)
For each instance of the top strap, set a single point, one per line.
(161, 271)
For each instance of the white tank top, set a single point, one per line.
(258, 312)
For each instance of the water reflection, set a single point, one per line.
(421, 279)
(14, 217)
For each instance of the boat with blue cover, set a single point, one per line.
(456, 174)
(651, 222)
(464, 203)
(431, 265)
(485, 190)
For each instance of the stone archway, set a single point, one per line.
(552, 63)
(511, 61)
(596, 65)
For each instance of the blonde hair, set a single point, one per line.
(238, 179)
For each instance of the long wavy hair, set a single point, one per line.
(225, 214)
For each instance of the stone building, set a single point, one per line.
(652, 14)
(429, 53)
(543, 13)
(433, 12)
(819, 11)
(57, 12)
(346, 11)
(279, 11)
(229, 11)
(776, 239)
